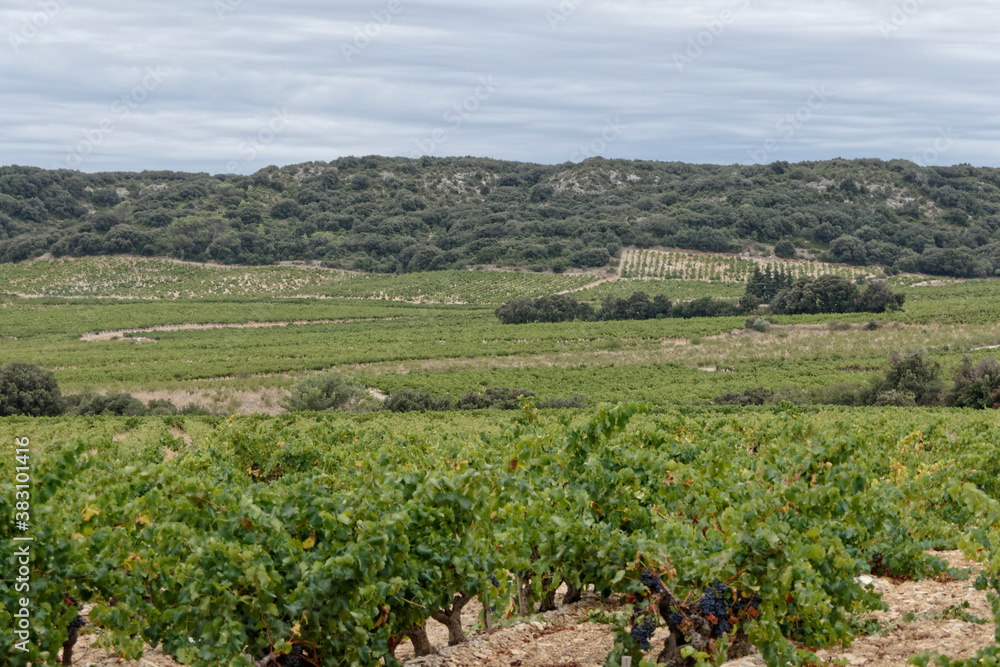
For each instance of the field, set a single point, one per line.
(714, 267)
(236, 338)
(242, 520)
(217, 536)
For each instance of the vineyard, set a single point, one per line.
(327, 539)
(222, 349)
(164, 279)
(682, 265)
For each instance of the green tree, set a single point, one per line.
(784, 249)
(975, 385)
(326, 391)
(878, 298)
(849, 250)
(26, 389)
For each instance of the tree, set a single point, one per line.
(26, 389)
(325, 391)
(975, 385)
(878, 298)
(784, 249)
(849, 250)
(826, 294)
(909, 374)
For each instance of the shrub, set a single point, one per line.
(574, 401)
(894, 397)
(842, 393)
(878, 298)
(760, 324)
(637, 307)
(910, 373)
(705, 307)
(826, 294)
(498, 398)
(754, 396)
(326, 391)
(411, 400)
(784, 249)
(554, 308)
(122, 404)
(590, 258)
(161, 406)
(26, 389)
(975, 385)
(749, 303)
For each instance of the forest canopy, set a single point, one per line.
(396, 215)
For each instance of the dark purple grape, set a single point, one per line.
(675, 619)
(643, 632)
(651, 581)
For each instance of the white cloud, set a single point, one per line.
(892, 90)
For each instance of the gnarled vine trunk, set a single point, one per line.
(452, 619)
(418, 637)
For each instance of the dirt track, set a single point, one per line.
(120, 333)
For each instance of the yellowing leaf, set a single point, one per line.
(296, 630)
(310, 541)
(90, 512)
(132, 559)
(143, 519)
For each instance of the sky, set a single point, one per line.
(232, 86)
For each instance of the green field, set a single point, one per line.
(436, 332)
(222, 536)
(219, 537)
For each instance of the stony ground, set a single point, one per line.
(923, 616)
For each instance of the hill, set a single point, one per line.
(397, 215)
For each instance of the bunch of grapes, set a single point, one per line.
(79, 621)
(294, 658)
(643, 632)
(651, 581)
(879, 568)
(675, 619)
(715, 602)
(494, 581)
(744, 602)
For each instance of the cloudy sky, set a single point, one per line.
(236, 85)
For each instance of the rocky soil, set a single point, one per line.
(948, 617)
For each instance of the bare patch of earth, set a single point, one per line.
(265, 400)
(120, 333)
